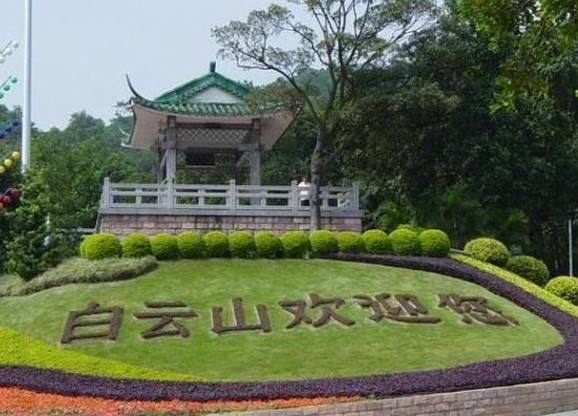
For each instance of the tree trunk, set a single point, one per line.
(316, 165)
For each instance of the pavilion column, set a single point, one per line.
(171, 159)
(255, 153)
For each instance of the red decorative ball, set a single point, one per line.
(6, 200)
(15, 193)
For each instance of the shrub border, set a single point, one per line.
(555, 363)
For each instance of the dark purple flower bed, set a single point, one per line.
(556, 363)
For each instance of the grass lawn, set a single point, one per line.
(303, 352)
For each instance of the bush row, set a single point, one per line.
(265, 244)
(493, 251)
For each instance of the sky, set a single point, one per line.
(82, 50)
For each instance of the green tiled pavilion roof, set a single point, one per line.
(186, 91)
(204, 109)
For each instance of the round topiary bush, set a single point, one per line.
(488, 250)
(565, 287)
(216, 244)
(164, 246)
(530, 268)
(376, 242)
(268, 245)
(350, 242)
(295, 244)
(136, 245)
(322, 242)
(405, 242)
(191, 245)
(242, 244)
(100, 246)
(434, 243)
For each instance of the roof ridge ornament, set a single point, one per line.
(213, 67)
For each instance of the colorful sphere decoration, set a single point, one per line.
(9, 162)
(8, 198)
(7, 85)
(8, 128)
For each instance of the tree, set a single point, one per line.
(539, 33)
(345, 36)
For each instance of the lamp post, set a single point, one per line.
(26, 108)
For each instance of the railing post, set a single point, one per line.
(170, 194)
(355, 196)
(232, 199)
(138, 199)
(106, 193)
(294, 201)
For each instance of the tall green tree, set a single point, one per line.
(345, 36)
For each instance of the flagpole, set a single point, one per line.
(26, 108)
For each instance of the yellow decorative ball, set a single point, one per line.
(2, 170)
(15, 155)
(8, 163)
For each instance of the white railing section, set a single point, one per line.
(230, 197)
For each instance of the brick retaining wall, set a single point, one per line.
(122, 225)
(521, 400)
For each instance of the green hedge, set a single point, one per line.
(190, 245)
(21, 350)
(405, 242)
(78, 270)
(377, 242)
(322, 242)
(530, 268)
(350, 242)
(136, 245)
(100, 246)
(268, 245)
(488, 250)
(522, 283)
(165, 246)
(216, 244)
(434, 243)
(565, 287)
(242, 245)
(295, 244)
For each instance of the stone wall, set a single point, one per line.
(122, 225)
(521, 400)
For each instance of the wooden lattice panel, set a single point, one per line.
(220, 137)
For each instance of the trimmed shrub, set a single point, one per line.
(416, 229)
(216, 244)
(191, 245)
(100, 246)
(405, 242)
(565, 287)
(322, 242)
(349, 242)
(242, 244)
(164, 246)
(295, 244)
(136, 245)
(434, 243)
(529, 268)
(488, 250)
(376, 242)
(268, 245)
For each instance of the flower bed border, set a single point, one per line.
(555, 363)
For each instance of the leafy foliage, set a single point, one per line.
(350, 242)
(565, 287)
(376, 242)
(242, 244)
(295, 244)
(268, 245)
(323, 241)
(488, 250)
(191, 245)
(136, 245)
(435, 243)
(529, 267)
(216, 244)
(405, 242)
(164, 246)
(100, 246)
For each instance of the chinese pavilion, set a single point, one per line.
(206, 125)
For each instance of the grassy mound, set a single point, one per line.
(303, 352)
